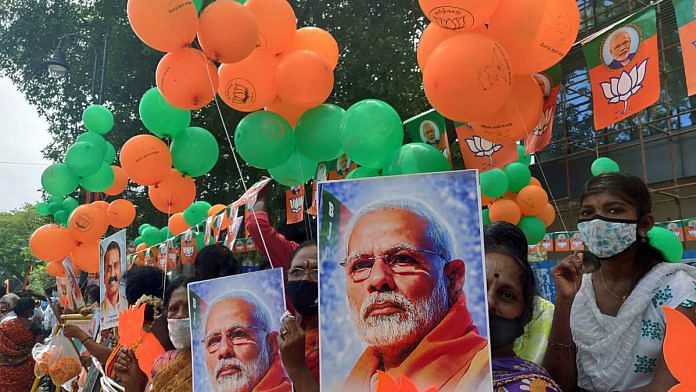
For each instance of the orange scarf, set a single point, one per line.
(275, 379)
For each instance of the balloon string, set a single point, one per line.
(553, 199)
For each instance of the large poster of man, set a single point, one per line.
(112, 290)
(234, 333)
(402, 283)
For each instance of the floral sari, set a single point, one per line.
(517, 374)
(16, 362)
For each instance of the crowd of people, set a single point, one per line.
(604, 331)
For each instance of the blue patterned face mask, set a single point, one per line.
(605, 237)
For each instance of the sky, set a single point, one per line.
(23, 134)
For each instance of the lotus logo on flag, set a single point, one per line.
(544, 122)
(624, 87)
(482, 147)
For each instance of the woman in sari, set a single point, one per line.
(17, 337)
(511, 288)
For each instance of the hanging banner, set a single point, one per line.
(294, 204)
(188, 247)
(479, 153)
(690, 229)
(686, 22)
(336, 170)
(112, 289)
(233, 232)
(561, 242)
(430, 128)
(624, 69)
(673, 226)
(547, 243)
(540, 137)
(312, 210)
(576, 243)
(172, 255)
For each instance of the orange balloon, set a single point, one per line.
(289, 112)
(305, 79)
(535, 181)
(518, 116)
(537, 34)
(276, 22)
(86, 256)
(120, 182)
(146, 159)
(177, 224)
(165, 25)
(505, 211)
(51, 243)
(88, 223)
(217, 209)
(250, 84)
(56, 269)
(458, 15)
(187, 79)
(485, 200)
(174, 194)
(532, 200)
(509, 196)
(432, 36)
(315, 40)
(121, 213)
(468, 77)
(227, 31)
(103, 205)
(548, 214)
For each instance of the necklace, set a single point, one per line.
(622, 298)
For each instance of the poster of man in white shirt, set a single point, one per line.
(112, 266)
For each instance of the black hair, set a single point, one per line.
(143, 280)
(25, 305)
(113, 245)
(93, 291)
(215, 261)
(509, 240)
(303, 245)
(172, 285)
(297, 232)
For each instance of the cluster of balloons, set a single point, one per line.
(512, 195)
(478, 59)
(57, 207)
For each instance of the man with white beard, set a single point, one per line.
(241, 351)
(405, 296)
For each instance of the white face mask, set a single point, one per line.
(606, 238)
(179, 333)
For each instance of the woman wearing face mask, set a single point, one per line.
(609, 325)
(299, 338)
(511, 288)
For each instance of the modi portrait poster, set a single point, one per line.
(235, 322)
(402, 283)
(112, 289)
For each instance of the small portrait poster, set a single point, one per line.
(112, 289)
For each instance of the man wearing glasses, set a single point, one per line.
(405, 295)
(241, 351)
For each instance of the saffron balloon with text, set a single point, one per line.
(459, 15)
(164, 25)
(146, 159)
(121, 213)
(88, 222)
(249, 85)
(276, 22)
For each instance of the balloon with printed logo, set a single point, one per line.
(120, 182)
(160, 117)
(84, 159)
(51, 243)
(667, 243)
(227, 31)
(59, 180)
(289, 112)
(110, 155)
(146, 159)
(533, 228)
(317, 133)
(318, 41)
(432, 36)
(86, 256)
(459, 15)
(177, 224)
(164, 25)
(494, 183)
(194, 151)
(55, 269)
(42, 209)
(518, 176)
(362, 172)
(187, 79)
(220, 209)
(98, 119)
(548, 214)
(537, 34)
(504, 211)
(99, 181)
(152, 236)
(464, 85)
(121, 213)
(414, 158)
(371, 131)
(196, 212)
(174, 193)
(264, 139)
(532, 200)
(604, 165)
(88, 222)
(276, 22)
(249, 85)
(305, 79)
(297, 170)
(95, 139)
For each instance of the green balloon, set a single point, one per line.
(54, 207)
(84, 159)
(604, 165)
(199, 4)
(295, 171)
(152, 236)
(200, 237)
(494, 183)
(56, 199)
(160, 117)
(70, 204)
(533, 228)
(362, 172)
(98, 118)
(522, 156)
(138, 241)
(165, 233)
(58, 179)
(486, 216)
(518, 176)
(317, 133)
(194, 151)
(61, 217)
(371, 131)
(42, 209)
(414, 158)
(196, 212)
(264, 139)
(96, 139)
(142, 228)
(99, 181)
(666, 242)
(110, 155)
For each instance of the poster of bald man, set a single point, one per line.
(235, 323)
(402, 283)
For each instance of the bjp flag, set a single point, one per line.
(686, 21)
(430, 128)
(540, 137)
(624, 69)
(294, 204)
(479, 153)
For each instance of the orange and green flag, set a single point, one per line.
(540, 137)
(686, 21)
(480, 153)
(624, 69)
(430, 128)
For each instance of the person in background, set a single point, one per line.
(215, 261)
(608, 326)
(49, 318)
(511, 288)
(299, 338)
(38, 315)
(7, 305)
(17, 337)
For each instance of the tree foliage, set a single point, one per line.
(15, 229)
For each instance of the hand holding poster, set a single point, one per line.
(112, 290)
